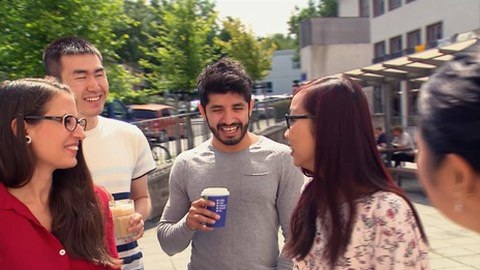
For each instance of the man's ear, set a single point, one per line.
(250, 106)
(51, 78)
(201, 110)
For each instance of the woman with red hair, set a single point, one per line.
(351, 215)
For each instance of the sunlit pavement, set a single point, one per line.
(452, 247)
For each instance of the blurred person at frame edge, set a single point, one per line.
(51, 214)
(449, 138)
(351, 215)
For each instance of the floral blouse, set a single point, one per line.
(384, 236)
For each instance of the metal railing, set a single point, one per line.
(169, 136)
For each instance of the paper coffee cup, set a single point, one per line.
(122, 211)
(219, 195)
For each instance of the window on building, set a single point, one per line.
(378, 7)
(379, 51)
(268, 87)
(378, 104)
(364, 7)
(408, 1)
(393, 4)
(434, 33)
(396, 46)
(414, 38)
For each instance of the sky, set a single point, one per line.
(265, 17)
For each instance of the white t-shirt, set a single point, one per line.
(117, 153)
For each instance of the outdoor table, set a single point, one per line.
(388, 151)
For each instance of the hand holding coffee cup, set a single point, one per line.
(137, 226)
(198, 215)
(219, 195)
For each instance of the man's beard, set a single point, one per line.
(233, 141)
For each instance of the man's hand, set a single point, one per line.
(136, 226)
(198, 216)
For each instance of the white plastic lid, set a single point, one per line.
(215, 191)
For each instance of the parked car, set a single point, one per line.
(157, 121)
(115, 109)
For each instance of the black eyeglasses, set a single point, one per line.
(69, 121)
(290, 119)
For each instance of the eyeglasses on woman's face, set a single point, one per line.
(290, 119)
(69, 121)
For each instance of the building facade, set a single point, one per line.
(284, 73)
(395, 28)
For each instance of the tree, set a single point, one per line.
(254, 54)
(322, 8)
(182, 45)
(183, 49)
(142, 15)
(283, 42)
(27, 26)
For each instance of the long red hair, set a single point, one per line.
(347, 166)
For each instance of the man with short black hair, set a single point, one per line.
(264, 185)
(117, 153)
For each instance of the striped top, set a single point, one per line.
(117, 153)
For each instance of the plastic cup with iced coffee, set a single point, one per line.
(122, 211)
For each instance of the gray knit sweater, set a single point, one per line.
(264, 188)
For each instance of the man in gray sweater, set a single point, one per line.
(259, 173)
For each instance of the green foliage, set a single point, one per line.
(154, 45)
(27, 26)
(254, 54)
(182, 44)
(283, 42)
(121, 82)
(142, 15)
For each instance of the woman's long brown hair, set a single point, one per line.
(347, 167)
(77, 220)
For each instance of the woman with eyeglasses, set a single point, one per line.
(351, 215)
(449, 139)
(51, 215)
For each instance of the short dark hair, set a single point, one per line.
(449, 109)
(222, 77)
(70, 186)
(71, 45)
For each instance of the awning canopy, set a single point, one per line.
(416, 67)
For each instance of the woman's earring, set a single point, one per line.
(457, 196)
(28, 139)
(458, 204)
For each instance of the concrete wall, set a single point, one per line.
(325, 31)
(348, 8)
(322, 60)
(334, 45)
(158, 189)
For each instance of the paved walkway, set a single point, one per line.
(452, 247)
